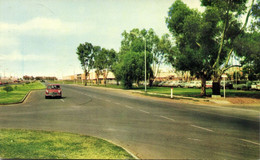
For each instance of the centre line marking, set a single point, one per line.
(62, 100)
(168, 118)
(206, 129)
(144, 111)
(194, 139)
(128, 107)
(250, 142)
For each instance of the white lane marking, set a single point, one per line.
(250, 142)
(107, 100)
(144, 111)
(62, 100)
(194, 139)
(128, 107)
(206, 129)
(168, 118)
(117, 103)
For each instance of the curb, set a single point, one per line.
(135, 157)
(24, 97)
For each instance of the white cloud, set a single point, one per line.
(7, 41)
(45, 26)
(18, 56)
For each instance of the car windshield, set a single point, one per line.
(54, 87)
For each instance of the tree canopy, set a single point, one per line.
(86, 57)
(205, 41)
(130, 67)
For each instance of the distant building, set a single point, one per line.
(92, 76)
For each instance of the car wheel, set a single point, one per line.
(46, 97)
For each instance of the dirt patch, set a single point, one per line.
(242, 100)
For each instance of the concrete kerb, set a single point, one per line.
(174, 96)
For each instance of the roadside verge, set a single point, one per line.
(19, 93)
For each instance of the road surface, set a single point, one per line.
(150, 128)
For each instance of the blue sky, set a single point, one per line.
(40, 37)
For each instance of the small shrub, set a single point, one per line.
(8, 88)
(15, 88)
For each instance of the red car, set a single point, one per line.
(53, 90)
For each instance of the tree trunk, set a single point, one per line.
(151, 82)
(86, 76)
(203, 86)
(105, 77)
(216, 86)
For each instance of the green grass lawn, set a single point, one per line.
(20, 90)
(190, 92)
(26, 144)
(195, 92)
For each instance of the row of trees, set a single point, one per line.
(128, 64)
(202, 44)
(95, 57)
(38, 78)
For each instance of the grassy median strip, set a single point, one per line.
(27, 144)
(18, 93)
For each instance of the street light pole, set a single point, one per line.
(144, 64)
(144, 61)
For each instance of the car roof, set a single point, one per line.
(53, 84)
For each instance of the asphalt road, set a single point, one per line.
(150, 128)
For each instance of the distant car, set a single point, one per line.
(177, 84)
(167, 84)
(194, 84)
(1, 83)
(209, 84)
(228, 84)
(53, 90)
(255, 85)
(161, 83)
(242, 85)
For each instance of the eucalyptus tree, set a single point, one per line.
(86, 57)
(205, 41)
(103, 61)
(247, 46)
(133, 48)
(98, 62)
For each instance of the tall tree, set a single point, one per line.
(104, 59)
(86, 57)
(137, 41)
(111, 58)
(162, 50)
(131, 68)
(193, 36)
(230, 28)
(99, 61)
(205, 41)
(247, 46)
